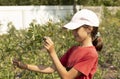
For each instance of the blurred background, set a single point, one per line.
(23, 24)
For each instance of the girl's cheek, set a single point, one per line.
(81, 36)
(78, 38)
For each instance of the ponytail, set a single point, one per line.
(97, 40)
(98, 43)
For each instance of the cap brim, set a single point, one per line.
(72, 25)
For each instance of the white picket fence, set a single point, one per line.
(22, 16)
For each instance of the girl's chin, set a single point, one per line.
(77, 39)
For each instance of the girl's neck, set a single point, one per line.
(87, 42)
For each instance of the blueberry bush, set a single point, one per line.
(27, 45)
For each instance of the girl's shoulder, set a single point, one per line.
(83, 49)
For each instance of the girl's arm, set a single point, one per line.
(64, 74)
(39, 68)
(72, 74)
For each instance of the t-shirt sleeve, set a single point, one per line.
(64, 58)
(85, 65)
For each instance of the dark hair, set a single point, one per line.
(96, 40)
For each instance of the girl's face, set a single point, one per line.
(80, 34)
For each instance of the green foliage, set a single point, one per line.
(110, 56)
(61, 2)
(27, 45)
(118, 14)
(106, 13)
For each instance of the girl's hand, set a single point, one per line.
(19, 64)
(49, 45)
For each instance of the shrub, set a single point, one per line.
(27, 45)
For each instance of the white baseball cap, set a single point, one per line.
(83, 17)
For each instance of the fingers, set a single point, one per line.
(48, 40)
(48, 43)
(19, 64)
(15, 61)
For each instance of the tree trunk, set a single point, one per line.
(74, 6)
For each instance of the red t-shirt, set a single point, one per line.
(83, 59)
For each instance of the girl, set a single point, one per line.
(79, 62)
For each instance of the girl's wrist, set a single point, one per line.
(52, 52)
(27, 67)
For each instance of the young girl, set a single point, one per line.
(79, 62)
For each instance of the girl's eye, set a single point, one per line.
(76, 29)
